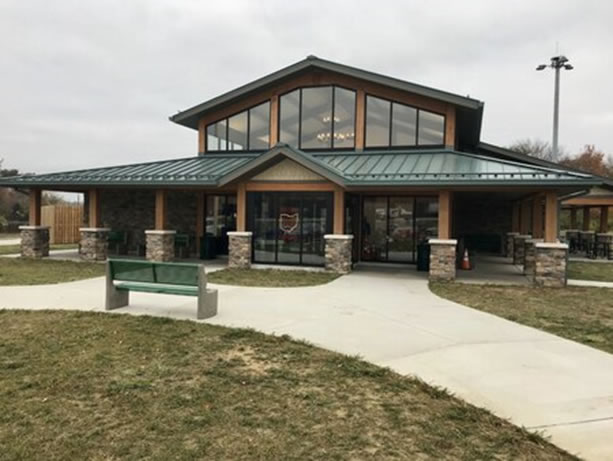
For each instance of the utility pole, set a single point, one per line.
(557, 63)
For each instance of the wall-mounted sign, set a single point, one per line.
(288, 222)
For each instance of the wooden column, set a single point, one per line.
(450, 123)
(586, 218)
(444, 214)
(200, 216)
(36, 199)
(573, 218)
(161, 211)
(604, 219)
(274, 120)
(339, 211)
(241, 208)
(360, 117)
(526, 213)
(515, 217)
(537, 217)
(551, 217)
(93, 208)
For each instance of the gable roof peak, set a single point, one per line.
(191, 116)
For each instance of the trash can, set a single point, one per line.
(207, 247)
(423, 256)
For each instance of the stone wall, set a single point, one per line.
(130, 211)
(133, 211)
(551, 265)
(239, 251)
(34, 241)
(94, 244)
(442, 260)
(339, 253)
(477, 215)
(160, 245)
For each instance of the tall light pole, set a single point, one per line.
(557, 63)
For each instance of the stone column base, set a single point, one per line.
(551, 262)
(34, 241)
(509, 244)
(442, 260)
(518, 248)
(239, 250)
(160, 245)
(529, 255)
(339, 253)
(94, 243)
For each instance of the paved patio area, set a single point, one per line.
(389, 317)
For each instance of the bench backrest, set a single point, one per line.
(154, 272)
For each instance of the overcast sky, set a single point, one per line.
(92, 83)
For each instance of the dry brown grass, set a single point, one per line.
(98, 386)
(581, 314)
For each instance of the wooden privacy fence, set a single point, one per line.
(64, 222)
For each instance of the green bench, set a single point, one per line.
(123, 276)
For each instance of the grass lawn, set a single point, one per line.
(590, 271)
(579, 313)
(9, 236)
(100, 386)
(271, 277)
(16, 249)
(18, 271)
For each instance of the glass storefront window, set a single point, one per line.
(377, 122)
(220, 219)
(289, 228)
(393, 124)
(393, 226)
(249, 129)
(431, 129)
(320, 117)
(289, 118)
(316, 119)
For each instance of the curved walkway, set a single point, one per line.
(390, 318)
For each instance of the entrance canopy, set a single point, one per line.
(419, 168)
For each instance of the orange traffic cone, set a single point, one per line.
(465, 261)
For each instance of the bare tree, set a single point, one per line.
(536, 148)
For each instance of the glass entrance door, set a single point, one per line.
(393, 225)
(289, 227)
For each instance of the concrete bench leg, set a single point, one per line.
(207, 297)
(114, 298)
(207, 304)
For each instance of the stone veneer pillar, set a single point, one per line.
(34, 241)
(530, 255)
(551, 262)
(160, 245)
(518, 248)
(339, 253)
(94, 243)
(509, 244)
(239, 250)
(442, 260)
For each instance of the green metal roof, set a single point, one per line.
(197, 171)
(440, 167)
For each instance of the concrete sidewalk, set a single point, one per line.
(392, 319)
